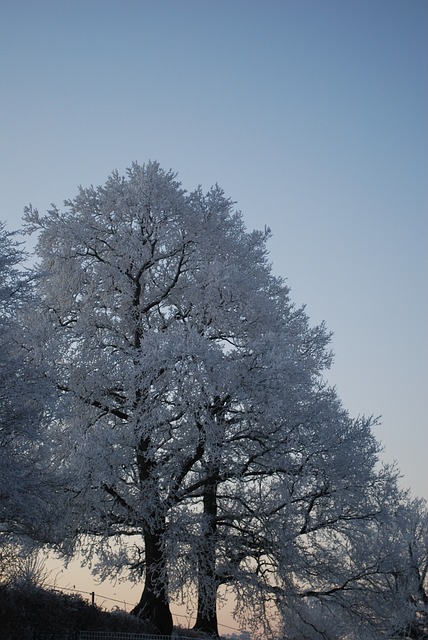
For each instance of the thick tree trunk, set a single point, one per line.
(153, 606)
(206, 620)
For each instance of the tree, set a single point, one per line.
(197, 438)
(25, 484)
(143, 305)
(296, 497)
(265, 347)
(284, 471)
(387, 599)
(405, 580)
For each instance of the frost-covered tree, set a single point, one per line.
(295, 493)
(149, 300)
(199, 442)
(389, 597)
(24, 481)
(404, 581)
(265, 349)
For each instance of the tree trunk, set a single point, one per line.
(206, 620)
(153, 606)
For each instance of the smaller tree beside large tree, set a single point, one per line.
(27, 487)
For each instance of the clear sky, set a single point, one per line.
(311, 114)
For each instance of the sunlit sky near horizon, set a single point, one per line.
(311, 114)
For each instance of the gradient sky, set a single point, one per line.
(311, 114)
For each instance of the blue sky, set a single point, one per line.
(311, 114)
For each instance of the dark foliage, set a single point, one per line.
(26, 610)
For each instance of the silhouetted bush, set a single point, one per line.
(27, 609)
